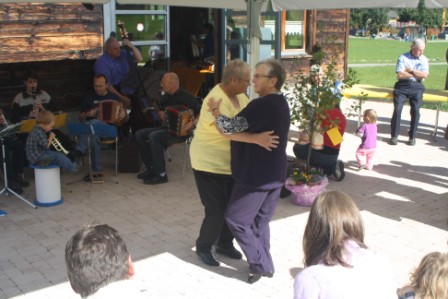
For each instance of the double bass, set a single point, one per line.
(145, 104)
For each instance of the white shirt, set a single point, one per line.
(120, 289)
(371, 277)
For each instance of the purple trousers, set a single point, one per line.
(248, 214)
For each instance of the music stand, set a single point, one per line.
(9, 130)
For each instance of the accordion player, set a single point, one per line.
(109, 111)
(176, 118)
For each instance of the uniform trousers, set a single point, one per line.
(248, 214)
(214, 190)
(403, 90)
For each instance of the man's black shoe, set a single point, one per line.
(411, 142)
(157, 179)
(14, 186)
(145, 174)
(21, 181)
(393, 141)
(231, 252)
(88, 178)
(208, 258)
(254, 277)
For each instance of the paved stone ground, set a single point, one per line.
(404, 202)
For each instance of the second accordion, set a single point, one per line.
(109, 111)
(176, 117)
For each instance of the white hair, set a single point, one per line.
(417, 43)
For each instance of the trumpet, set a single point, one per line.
(58, 146)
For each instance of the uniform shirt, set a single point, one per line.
(406, 60)
(36, 144)
(209, 151)
(23, 104)
(251, 164)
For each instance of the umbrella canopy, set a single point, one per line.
(277, 5)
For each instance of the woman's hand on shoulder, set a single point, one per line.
(213, 104)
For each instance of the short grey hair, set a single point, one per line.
(235, 68)
(275, 70)
(418, 43)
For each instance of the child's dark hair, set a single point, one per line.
(30, 74)
(44, 117)
(370, 116)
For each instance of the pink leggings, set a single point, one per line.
(365, 157)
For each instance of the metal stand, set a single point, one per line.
(5, 174)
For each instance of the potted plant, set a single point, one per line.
(310, 96)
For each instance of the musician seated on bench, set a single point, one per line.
(38, 144)
(99, 107)
(152, 142)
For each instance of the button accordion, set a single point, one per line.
(109, 111)
(176, 118)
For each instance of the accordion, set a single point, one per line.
(109, 111)
(176, 118)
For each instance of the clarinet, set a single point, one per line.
(34, 95)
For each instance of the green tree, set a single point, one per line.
(372, 19)
(428, 18)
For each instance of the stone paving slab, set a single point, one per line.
(404, 203)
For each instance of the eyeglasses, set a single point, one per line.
(245, 81)
(258, 76)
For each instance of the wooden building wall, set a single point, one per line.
(59, 41)
(329, 29)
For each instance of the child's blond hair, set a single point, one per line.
(370, 116)
(44, 117)
(430, 279)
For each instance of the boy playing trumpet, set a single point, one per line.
(38, 144)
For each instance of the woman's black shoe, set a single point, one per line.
(254, 277)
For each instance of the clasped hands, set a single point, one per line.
(266, 139)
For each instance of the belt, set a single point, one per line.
(409, 80)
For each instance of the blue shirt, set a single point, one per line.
(114, 69)
(406, 60)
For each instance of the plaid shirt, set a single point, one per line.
(36, 144)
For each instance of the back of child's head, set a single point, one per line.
(44, 117)
(370, 116)
(430, 279)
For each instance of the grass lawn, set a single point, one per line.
(362, 50)
(381, 51)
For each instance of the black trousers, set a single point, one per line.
(15, 156)
(214, 191)
(403, 90)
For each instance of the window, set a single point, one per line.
(293, 32)
(283, 34)
(146, 25)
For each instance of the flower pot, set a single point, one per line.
(305, 194)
